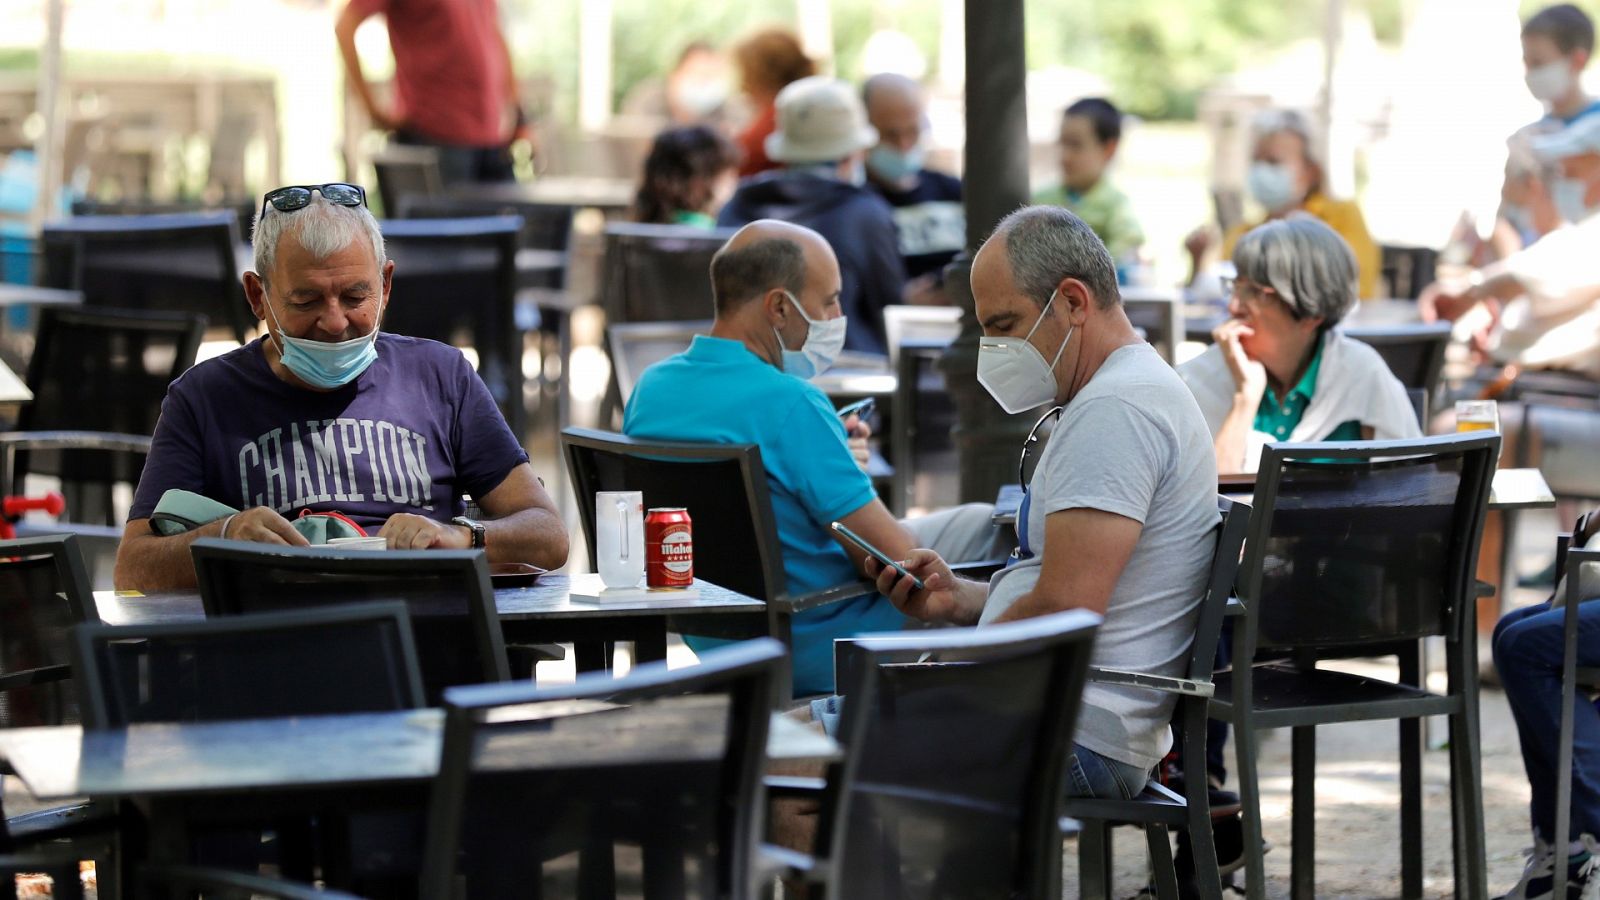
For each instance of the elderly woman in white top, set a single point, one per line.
(1278, 370)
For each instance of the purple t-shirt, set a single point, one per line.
(412, 434)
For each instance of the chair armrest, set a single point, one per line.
(773, 861)
(794, 786)
(979, 570)
(60, 822)
(224, 881)
(1235, 607)
(803, 602)
(75, 440)
(1165, 684)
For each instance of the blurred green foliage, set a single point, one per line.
(1159, 55)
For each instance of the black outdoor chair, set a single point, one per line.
(920, 412)
(447, 592)
(243, 210)
(636, 346)
(724, 487)
(44, 593)
(673, 766)
(305, 662)
(173, 263)
(1158, 312)
(1361, 548)
(1158, 809)
(1415, 353)
(98, 378)
(1569, 562)
(404, 171)
(658, 273)
(1407, 270)
(456, 279)
(955, 751)
(196, 882)
(347, 659)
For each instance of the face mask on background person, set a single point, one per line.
(1549, 82)
(322, 364)
(894, 165)
(824, 341)
(1568, 196)
(1271, 185)
(1014, 372)
(703, 97)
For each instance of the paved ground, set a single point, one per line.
(1358, 823)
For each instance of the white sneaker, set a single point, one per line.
(1588, 878)
(1541, 867)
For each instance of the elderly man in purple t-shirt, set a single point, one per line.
(327, 414)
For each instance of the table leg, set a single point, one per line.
(593, 656)
(651, 646)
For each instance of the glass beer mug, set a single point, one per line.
(619, 537)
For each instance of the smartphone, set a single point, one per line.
(876, 554)
(861, 408)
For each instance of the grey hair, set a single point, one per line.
(323, 229)
(1269, 122)
(1305, 262)
(741, 274)
(1045, 244)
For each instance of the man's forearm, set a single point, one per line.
(154, 562)
(536, 536)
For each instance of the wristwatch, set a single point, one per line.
(479, 533)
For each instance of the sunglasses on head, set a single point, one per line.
(298, 196)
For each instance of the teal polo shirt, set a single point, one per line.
(1280, 419)
(717, 391)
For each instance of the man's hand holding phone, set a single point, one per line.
(936, 602)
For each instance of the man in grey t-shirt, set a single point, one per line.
(1120, 508)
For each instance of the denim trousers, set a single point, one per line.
(1097, 777)
(1527, 653)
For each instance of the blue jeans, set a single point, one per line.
(1527, 653)
(1098, 777)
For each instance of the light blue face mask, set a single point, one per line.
(326, 365)
(894, 165)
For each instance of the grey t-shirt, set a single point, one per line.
(1132, 443)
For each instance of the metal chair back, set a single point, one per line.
(636, 346)
(668, 761)
(404, 171)
(44, 593)
(175, 263)
(1415, 353)
(447, 593)
(338, 659)
(921, 809)
(658, 273)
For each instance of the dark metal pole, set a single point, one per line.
(987, 440)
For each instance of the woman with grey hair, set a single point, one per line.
(1278, 370)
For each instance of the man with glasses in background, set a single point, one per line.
(327, 414)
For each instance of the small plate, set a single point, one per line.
(514, 574)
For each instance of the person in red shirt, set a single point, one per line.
(768, 62)
(454, 85)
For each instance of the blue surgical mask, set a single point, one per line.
(1568, 196)
(824, 341)
(893, 165)
(1272, 186)
(322, 364)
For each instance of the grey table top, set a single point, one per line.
(548, 599)
(1512, 489)
(329, 752)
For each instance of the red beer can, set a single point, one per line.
(669, 548)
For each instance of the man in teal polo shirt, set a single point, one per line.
(778, 322)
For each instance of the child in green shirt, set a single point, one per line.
(1090, 131)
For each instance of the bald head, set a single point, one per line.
(770, 255)
(896, 108)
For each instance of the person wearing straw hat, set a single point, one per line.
(822, 142)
